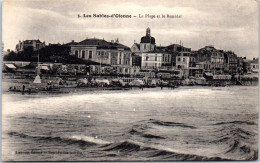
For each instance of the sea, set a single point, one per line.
(153, 124)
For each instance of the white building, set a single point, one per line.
(101, 51)
(152, 60)
(184, 60)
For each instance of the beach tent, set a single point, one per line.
(186, 82)
(58, 81)
(122, 82)
(102, 81)
(164, 83)
(84, 81)
(200, 80)
(137, 82)
(37, 80)
(153, 82)
(11, 66)
(192, 81)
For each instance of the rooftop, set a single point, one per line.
(101, 43)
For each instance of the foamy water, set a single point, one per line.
(188, 123)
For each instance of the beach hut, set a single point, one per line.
(102, 82)
(153, 83)
(122, 82)
(186, 82)
(200, 81)
(83, 81)
(137, 82)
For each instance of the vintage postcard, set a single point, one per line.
(129, 80)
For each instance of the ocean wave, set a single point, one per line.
(123, 147)
(236, 122)
(165, 123)
(145, 135)
(238, 141)
(57, 139)
(153, 152)
(172, 156)
(150, 152)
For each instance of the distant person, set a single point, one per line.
(23, 88)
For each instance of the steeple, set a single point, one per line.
(117, 41)
(148, 31)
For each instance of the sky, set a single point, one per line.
(226, 24)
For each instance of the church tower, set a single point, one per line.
(147, 42)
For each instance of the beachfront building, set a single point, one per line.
(102, 51)
(254, 65)
(246, 65)
(34, 44)
(231, 62)
(155, 59)
(185, 61)
(151, 57)
(215, 57)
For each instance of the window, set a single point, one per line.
(144, 46)
(155, 65)
(155, 59)
(147, 58)
(183, 59)
(77, 53)
(90, 54)
(83, 54)
(179, 59)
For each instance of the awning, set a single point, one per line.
(222, 77)
(44, 68)
(208, 74)
(136, 83)
(10, 66)
(200, 78)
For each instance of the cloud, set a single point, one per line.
(229, 24)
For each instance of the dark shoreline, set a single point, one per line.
(73, 88)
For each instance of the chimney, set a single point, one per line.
(244, 57)
(72, 40)
(112, 41)
(253, 58)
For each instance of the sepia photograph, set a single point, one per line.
(129, 80)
